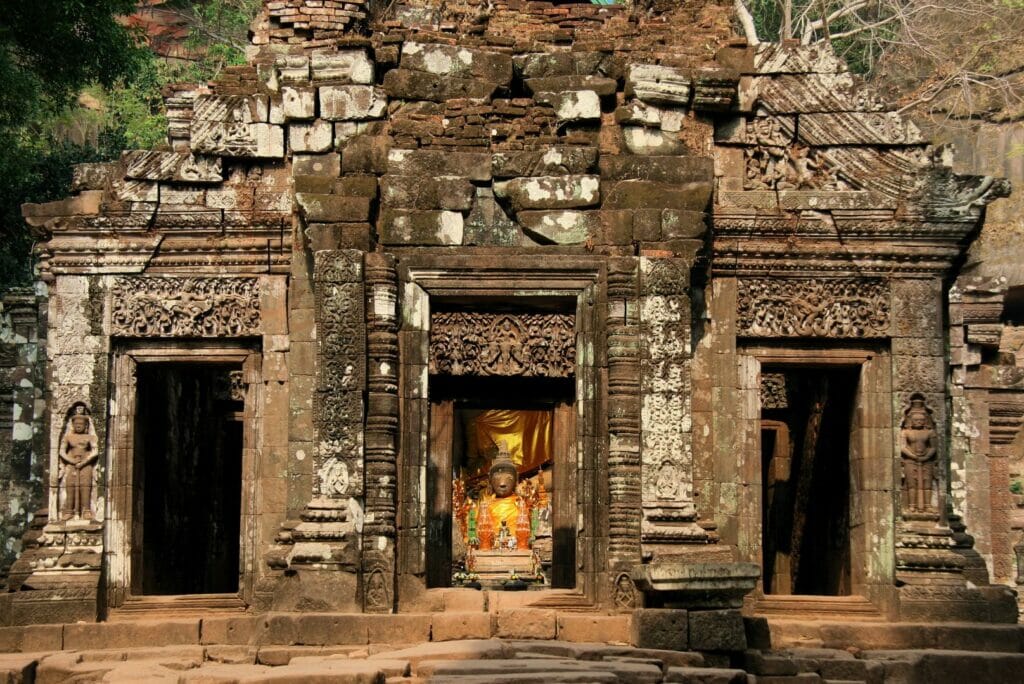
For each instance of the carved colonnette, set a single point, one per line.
(382, 424)
(624, 467)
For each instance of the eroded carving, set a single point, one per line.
(536, 345)
(185, 307)
(796, 167)
(813, 308)
(79, 450)
(773, 391)
(919, 451)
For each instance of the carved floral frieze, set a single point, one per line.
(185, 307)
(469, 343)
(779, 307)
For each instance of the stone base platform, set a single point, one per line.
(503, 661)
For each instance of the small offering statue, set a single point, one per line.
(919, 451)
(78, 453)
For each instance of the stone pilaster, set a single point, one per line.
(669, 513)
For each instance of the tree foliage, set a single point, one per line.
(55, 54)
(957, 57)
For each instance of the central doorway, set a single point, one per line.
(187, 479)
(480, 426)
(806, 426)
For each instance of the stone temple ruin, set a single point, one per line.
(593, 302)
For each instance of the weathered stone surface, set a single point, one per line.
(298, 103)
(344, 66)
(456, 61)
(671, 169)
(420, 227)
(550, 192)
(559, 227)
(454, 193)
(658, 84)
(313, 137)
(641, 114)
(660, 628)
(525, 624)
(582, 63)
(406, 84)
(717, 630)
(705, 675)
(640, 194)
(573, 105)
(352, 102)
(858, 128)
(550, 162)
(554, 84)
(455, 626)
(650, 142)
(333, 208)
(475, 166)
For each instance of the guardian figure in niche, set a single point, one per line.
(78, 453)
(919, 451)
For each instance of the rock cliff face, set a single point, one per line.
(697, 208)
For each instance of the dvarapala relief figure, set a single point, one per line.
(918, 447)
(78, 454)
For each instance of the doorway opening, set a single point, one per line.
(187, 479)
(484, 430)
(806, 423)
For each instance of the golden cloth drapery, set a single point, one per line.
(527, 435)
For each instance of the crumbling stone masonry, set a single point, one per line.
(741, 258)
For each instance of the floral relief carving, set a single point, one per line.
(185, 307)
(779, 307)
(538, 345)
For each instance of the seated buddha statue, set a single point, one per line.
(503, 517)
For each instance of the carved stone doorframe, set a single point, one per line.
(873, 470)
(511, 279)
(127, 357)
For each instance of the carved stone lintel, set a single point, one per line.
(185, 307)
(780, 307)
(527, 345)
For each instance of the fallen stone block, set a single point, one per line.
(559, 227)
(651, 142)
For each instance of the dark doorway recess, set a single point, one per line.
(187, 479)
(454, 404)
(805, 468)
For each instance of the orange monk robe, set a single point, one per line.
(503, 510)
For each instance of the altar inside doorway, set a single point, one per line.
(502, 486)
